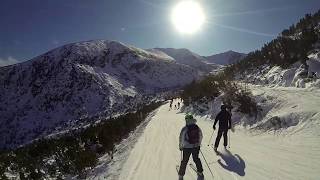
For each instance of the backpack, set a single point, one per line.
(193, 134)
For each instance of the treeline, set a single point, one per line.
(73, 153)
(215, 85)
(291, 46)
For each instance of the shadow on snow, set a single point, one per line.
(233, 163)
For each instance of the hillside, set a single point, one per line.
(289, 60)
(67, 86)
(297, 75)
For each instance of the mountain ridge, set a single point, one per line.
(64, 87)
(225, 58)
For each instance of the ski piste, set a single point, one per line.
(148, 161)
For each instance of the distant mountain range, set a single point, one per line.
(229, 57)
(185, 56)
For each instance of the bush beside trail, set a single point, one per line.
(209, 88)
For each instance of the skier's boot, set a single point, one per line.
(215, 149)
(200, 176)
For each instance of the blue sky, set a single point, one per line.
(32, 27)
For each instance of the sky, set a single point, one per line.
(29, 28)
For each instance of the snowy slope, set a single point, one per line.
(288, 153)
(225, 58)
(185, 56)
(68, 85)
(298, 75)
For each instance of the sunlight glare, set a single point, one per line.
(188, 16)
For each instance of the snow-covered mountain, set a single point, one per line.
(225, 58)
(63, 88)
(185, 56)
(291, 59)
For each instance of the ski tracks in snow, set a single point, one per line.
(262, 157)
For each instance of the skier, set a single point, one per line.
(189, 143)
(178, 105)
(171, 101)
(224, 118)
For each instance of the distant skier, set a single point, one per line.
(224, 118)
(189, 143)
(170, 105)
(178, 105)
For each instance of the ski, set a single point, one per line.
(216, 151)
(193, 168)
(177, 168)
(200, 177)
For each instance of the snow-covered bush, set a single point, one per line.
(209, 88)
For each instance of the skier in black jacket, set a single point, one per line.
(224, 118)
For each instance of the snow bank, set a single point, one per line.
(280, 109)
(298, 75)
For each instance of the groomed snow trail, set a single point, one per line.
(251, 156)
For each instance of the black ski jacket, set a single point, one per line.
(224, 118)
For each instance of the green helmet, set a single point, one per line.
(188, 116)
(189, 119)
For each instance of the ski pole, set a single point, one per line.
(207, 164)
(229, 140)
(210, 138)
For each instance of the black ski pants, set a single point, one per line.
(195, 156)
(221, 132)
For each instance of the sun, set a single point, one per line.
(188, 16)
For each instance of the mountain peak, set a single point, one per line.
(189, 58)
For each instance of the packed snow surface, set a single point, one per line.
(292, 153)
